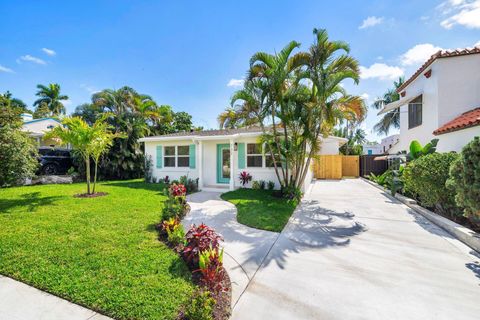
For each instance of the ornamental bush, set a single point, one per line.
(465, 179)
(198, 239)
(426, 176)
(18, 156)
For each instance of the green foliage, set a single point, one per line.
(392, 118)
(176, 235)
(426, 177)
(261, 209)
(149, 170)
(9, 113)
(294, 116)
(200, 307)
(173, 208)
(270, 185)
(190, 184)
(255, 185)
(18, 156)
(262, 184)
(417, 151)
(465, 180)
(49, 99)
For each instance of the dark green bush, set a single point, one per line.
(200, 307)
(465, 179)
(426, 178)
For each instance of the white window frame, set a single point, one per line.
(176, 156)
(254, 154)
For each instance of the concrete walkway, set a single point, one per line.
(352, 252)
(245, 248)
(19, 301)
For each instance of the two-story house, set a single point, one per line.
(440, 100)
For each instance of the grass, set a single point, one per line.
(260, 209)
(102, 252)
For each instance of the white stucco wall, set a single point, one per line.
(208, 162)
(452, 89)
(455, 141)
(38, 128)
(375, 149)
(172, 173)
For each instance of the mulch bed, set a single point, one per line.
(223, 305)
(93, 195)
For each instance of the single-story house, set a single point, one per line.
(36, 129)
(440, 100)
(216, 157)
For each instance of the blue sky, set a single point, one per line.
(185, 53)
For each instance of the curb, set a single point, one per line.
(464, 234)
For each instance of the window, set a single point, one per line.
(183, 158)
(269, 160)
(254, 155)
(177, 156)
(415, 112)
(169, 158)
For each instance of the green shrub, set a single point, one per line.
(262, 184)
(255, 185)
(200, 307)
(176, 235)
(465, 179)
(190, 184)
(270, 185)
(426, 177)
(18, 156)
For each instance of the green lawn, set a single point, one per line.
(102, 252)
(260, 209)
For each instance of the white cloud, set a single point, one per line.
(461, 12)
(370, 22)
(5, 69)
(365, 96)
(89, 88)
(49, 52)
(419, 54)
(380, 71)
(32, 59)
(477, 44)
(235, 83)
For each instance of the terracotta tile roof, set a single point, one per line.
(465, 120)
(440, 54)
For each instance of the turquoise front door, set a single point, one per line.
(223, 163)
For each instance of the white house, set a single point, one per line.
(389, 142)
(372, 148)
(441, 100)
(36, 129)
(216, 157)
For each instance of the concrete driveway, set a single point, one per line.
(352, 252)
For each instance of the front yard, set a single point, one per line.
(102, 252)
(261, 209)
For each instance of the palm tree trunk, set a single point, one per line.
(95, 176)
(87, 165)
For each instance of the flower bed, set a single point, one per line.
(200, 248)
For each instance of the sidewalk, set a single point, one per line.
(23, 302)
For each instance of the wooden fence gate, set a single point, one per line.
(336, 166)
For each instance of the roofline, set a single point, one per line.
(438, 55)
(41, 119)
(219, 137)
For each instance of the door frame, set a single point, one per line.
(221, 147)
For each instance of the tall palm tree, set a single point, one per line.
(390, 119)
(51, 97)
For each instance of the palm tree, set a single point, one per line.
(51, 97)
(392, 118)
(327, 64)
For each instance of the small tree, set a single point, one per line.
(76, 132)
(465, 179)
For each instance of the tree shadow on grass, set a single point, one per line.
(32, 201)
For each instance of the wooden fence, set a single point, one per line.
(336, 166)
(369, 165)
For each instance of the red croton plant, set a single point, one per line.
(177, 190)
(211, 267)
(199, 239)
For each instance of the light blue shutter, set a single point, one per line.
(241, 155)
(192, 156)
(159, 157)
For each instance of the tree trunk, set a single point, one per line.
(95, 177)
(87, 165)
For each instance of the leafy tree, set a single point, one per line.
(391, 118)
(16, 103)
(86, 140)
(295, 99)
(18, 152)
(417, 150)
(51, 97)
